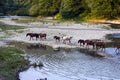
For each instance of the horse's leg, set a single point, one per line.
(80, 43)
(116, 50)
(69, 41)
(64, 41)
(59, 39)
(36, 38)
(103, 47)
(93, 46)
(30, 38)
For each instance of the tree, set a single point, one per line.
(71, 8)
(44, 7)
(103, 8)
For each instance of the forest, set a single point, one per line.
(62, 9)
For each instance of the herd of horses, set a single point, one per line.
(95, 43)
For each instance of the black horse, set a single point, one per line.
(57, 38)
(36, 35)
(81, 42)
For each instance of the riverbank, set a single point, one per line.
(76, 30)
(104, 21)
(11, 62)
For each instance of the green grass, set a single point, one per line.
(11, 62)
(5, 27)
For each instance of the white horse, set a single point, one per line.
(67, 38)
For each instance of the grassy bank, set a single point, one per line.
(5, 27)
(11, 62)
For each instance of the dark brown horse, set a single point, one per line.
(90, 42)
(42, 35)
(32, 35)
(100, 45)
(81, 42)
(57, 38)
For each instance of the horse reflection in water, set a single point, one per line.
(117, 51)
(37, 46)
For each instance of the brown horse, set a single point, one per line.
(81, 42)
(42, 35)
(32, 35)
(100, 45)
(57, 38)
(90, 42)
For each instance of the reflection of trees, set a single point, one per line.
(36, 46)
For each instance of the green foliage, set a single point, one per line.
(15, 7)
(68, 9)
(104, 8)
(44, 7)
(71, 8)
(58, 16)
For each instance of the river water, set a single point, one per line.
(69, 64)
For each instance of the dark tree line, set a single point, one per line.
(66, 9)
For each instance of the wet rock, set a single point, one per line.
(37, 65)
(42, 79)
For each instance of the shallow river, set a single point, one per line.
(69, 64)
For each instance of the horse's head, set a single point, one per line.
(79, 41)
(28, 34)
(54, 37)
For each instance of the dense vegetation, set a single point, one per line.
(11, 62)
(65, 9)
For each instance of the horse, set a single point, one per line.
(57, 38)
(100, 45)
(42, 35)
(67, 38)
(90, 42)
(81, 42)
(32, 35)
